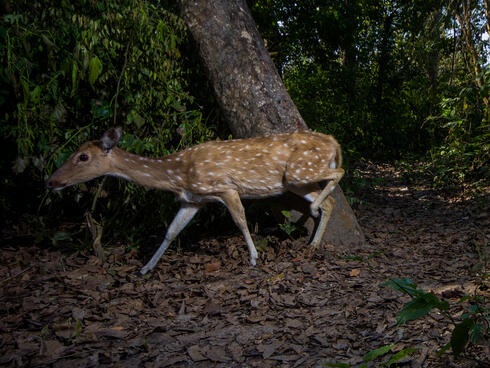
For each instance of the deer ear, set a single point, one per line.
(110, 139)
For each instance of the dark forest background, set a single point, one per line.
(405, 82)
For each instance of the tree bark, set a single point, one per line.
(250, 91)
(248, 88)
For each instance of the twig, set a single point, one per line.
(97, 194)
(14, 276)
(119, 80)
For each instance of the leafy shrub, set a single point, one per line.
(72, 69)
(472, 329)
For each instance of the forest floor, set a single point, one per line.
(297, 308)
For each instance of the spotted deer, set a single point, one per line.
(219, 171)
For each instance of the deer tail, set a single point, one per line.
(336, 162)
(338, 156)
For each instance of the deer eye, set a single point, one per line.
(83, 157)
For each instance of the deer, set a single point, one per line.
(219, 171)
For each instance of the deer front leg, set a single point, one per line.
(182, 218)
(232, 201)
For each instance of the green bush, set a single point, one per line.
(72, 69)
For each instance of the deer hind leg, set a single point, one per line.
(311, 193)
(232, 201)
(326, 211)
(182, 218)
(334, 175)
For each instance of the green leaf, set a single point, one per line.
(443, 349)
(474, 309)
(400, 355)
(94, 69)
(373, 354)
(262, 244)
(102, 112)
(74, 72)
(476, 333)
(137, 119)
(36, 94)
(59, 236)
(460, 336)
(404, 285)
(417, 307)
(443, 305)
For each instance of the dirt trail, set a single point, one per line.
(208, 308)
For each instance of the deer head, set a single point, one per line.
(91, 160)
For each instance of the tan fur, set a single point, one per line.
(220, 171)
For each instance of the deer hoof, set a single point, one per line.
(314, 212)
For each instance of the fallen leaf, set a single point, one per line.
(51, 348)
(355, 272)
(195, 353)
(212, 267)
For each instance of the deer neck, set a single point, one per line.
(161, 173)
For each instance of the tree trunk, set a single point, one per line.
(249, 90)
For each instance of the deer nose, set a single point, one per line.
(53, 184)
